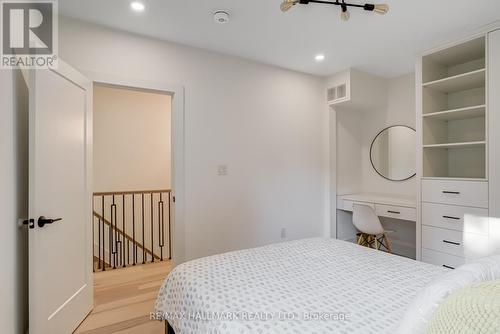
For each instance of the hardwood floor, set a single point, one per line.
(123, 299)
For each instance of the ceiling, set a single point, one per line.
(258, 30)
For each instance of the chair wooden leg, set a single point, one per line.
(365, 240)
(369, 241)
(362, 239)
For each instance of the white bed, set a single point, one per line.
(278, 288)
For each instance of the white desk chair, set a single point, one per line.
(371, 230)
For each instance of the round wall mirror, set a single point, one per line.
(393, 153)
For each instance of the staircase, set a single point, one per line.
(130, 228)
(97, 263)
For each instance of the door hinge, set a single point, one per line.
(173, 199)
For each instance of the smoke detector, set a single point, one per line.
(221, 17)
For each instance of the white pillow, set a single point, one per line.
(419, 312)
(487, 269)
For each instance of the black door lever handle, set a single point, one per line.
(42, 221)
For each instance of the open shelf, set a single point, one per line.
(457, 114)
(436, 101)
(461, 82)
(460, 161)
(459, 132)
(456, 178)
(457, 145)
(459, 59)
(454, 112)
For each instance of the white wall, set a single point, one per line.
(131, 140)
(354, 131)
(13, 202)
(400, 110)
(268, 125)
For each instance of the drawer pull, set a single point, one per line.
(451, 242)
(450, 217)
(451, 192)
(444, 265)
(395, 212)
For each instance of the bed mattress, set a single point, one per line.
(303, 286)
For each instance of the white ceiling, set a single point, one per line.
(258, 30)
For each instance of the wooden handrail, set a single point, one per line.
(137, 192)
(125, 235)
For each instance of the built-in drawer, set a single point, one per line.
(458, 218)
(442, 259)
(468, 245)
(398, 212)
(467, 193)
(347, 205)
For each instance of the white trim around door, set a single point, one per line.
(178, 175)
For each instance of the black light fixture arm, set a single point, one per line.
(286, 5)
(368, 6)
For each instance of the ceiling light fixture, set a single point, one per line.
(286, 5)
(319, 57)
(344, 14)
(137, 6)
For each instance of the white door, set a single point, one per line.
(60, 254)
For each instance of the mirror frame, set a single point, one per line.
(371, 148)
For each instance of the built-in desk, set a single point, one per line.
(400, 207)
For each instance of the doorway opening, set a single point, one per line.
(132, 204)
(131, 177)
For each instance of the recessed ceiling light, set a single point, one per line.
(137, 6)
(319, 57)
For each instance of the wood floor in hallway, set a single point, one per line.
(123, 299)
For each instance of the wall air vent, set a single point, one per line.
(336, 94)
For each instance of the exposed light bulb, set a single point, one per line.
(137, 6)
(381, 9)
(287, 4)
(320, 57)
(345, 15)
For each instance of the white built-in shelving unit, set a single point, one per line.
(458, 126)
(454, 112)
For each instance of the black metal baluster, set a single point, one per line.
(143, 244)
(103, 238)
(118, 239)
(113, 230)
(110, 227)
(99, 244)
(152, 232)
(169, 219)
(160, 226)
(134, 245)
(93, 236)
(124, 231)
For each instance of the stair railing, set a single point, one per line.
(130, 228)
